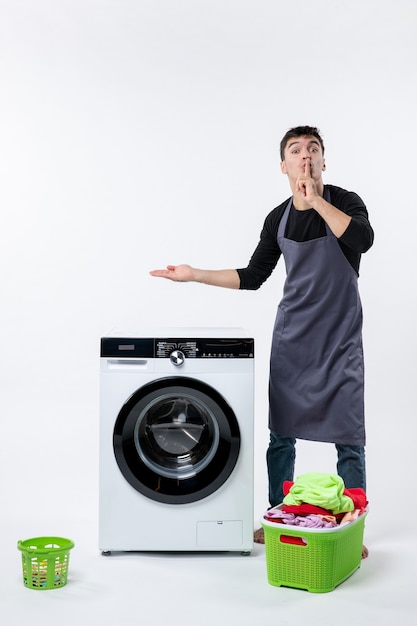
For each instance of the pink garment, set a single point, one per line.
(303, 521)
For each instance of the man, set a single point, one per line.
(316, 389)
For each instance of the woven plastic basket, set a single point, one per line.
(45, 562)
(313, 559)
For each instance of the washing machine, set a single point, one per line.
(176, 442)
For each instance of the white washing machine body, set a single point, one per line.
(176, 443)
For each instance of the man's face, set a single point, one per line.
(303, 156)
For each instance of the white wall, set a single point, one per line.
(140, 133)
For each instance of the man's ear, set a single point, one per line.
(283, 167)
(324, 165)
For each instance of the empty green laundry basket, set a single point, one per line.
(45, 562)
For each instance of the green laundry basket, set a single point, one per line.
(45, 562)
(315, 559)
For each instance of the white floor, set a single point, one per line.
(205, 589)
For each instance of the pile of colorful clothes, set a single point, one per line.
(317, 500)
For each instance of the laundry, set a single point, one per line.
(323, 490)
(356, 494)
(305, 521)
(317, 500)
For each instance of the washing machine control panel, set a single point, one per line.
(177, 350)
(173, 349)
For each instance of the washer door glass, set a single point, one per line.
(176, 440)
(176, 435)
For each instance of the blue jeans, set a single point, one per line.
(280, 458)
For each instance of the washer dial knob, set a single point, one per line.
(177, 357)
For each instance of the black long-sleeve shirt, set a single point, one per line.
(304, 226)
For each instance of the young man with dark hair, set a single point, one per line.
(316, 388)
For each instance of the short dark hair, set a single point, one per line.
(300, 131)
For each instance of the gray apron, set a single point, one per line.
(316, 385)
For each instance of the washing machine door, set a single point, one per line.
(176, 440)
